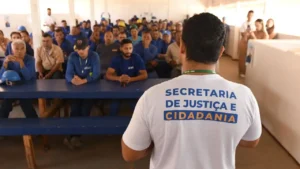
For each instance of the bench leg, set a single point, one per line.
(29, 152)
(42, 107)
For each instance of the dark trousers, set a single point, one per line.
(26, 105)
(81, 107)
(56, 75)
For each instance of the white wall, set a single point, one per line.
(273, 79)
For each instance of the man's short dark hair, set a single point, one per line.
(25, 32)
(251, 11)
(46, 35)
(15, 33)
(146, 32)
(203, 37)
(59, 30)
(49, 9)
(115, 27)
(125, 41)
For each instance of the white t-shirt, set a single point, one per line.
(48, 20)
(204, 135)
(244, 27)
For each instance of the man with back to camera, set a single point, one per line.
(125, 68)
(196, 120)
(83, 67)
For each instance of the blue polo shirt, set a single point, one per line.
(72, 38)
(27, 72)
(88, 68)
(134, 42)
(51, 33)
(147, 54)
(130, 67)
(65, 46)
(29, 50)
(66, 30)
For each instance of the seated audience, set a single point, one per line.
(83, 67)
(271, 29)
(3, 43)
(107, 50)
(65, 27)
(15, 36)
(125, 68)
(156, 40)
(148, 52)
(135, 38)
(173, 56)
(94, 41)
(75, 33)
(24, 65)
(85, 30)
(260, 32)
(26, 38)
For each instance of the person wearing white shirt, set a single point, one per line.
(172, 56)
(246, 29)
(196, 120)
(48, 20)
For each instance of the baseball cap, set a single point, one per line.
(166, 33)
(133, 27)
(81, 43)
(21, 28)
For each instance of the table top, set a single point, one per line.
(101, 89)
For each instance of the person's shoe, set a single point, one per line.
(76, 142)
(67, 142)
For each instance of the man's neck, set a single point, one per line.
(126, 58)
(83, 57)
(107, 44)
(248, 20)
(47, 48)
(134, 37)
(178, 43)
(192, 65)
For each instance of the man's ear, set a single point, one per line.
(221, 51)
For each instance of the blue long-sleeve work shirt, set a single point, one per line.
(147, 54)
(88, 68)
(26, 73)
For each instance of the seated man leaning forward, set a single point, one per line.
(23, 64)
(125, 68)
(83, 67)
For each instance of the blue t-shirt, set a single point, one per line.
(147, 54)
(72, 39)
(158, 44)
(130, 67)
(164, 47)
(51, 33)
(88, 32)
(134, 42)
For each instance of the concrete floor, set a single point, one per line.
(104, 152)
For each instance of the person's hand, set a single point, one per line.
(48, 76)
(8, 59)
(78, 81)
(21, 62)
(173, 63)
(124, 78)
(153, 63)
(41, 76)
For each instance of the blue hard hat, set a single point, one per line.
(21, 28)
(166, 32)
(11, 76)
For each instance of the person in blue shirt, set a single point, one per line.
(115, 31)
(125, 68)
(65, 27)
(75, 33)
(94, 41)
(51, 31)
(121, 36)
(15, 36)
(84, 29)
(135, 38)
(156, 40)
(164, 69)
(102, 30)
(83, 67)
(64, 44)
(148, 52)
(24, 65)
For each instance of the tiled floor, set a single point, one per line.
(103, 152)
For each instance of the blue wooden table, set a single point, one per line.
(102, 89)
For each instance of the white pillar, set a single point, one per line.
(35, 24)
(72, 13)
(92, 14)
